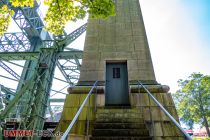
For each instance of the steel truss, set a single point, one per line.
(42, 54)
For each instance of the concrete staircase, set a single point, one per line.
(119, 124)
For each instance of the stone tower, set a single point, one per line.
(120, 38)
(117, 54)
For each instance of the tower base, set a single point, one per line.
(159, 125)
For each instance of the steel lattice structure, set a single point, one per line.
(42, 54)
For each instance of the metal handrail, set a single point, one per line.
(65, 135)
(166, 112)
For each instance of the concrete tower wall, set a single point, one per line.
(119, 38)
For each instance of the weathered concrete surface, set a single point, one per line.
(119, 38)
(156, 121)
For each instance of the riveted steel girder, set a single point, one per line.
(34, 56)
(14, 42)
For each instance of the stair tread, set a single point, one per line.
(120, 132)
(119, 125)
(120, 138)
(115, 120)
(123, 129)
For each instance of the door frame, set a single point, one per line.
(117, 62)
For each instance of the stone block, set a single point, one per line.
(121, 47)
(140, 45)
(127, 32)
(69, 113)
(164, 117)
(158, 129)
(102, 65)
(92, 31)
(124, 38)
(168, 99)
(134, 75)
(76, 137)
(79, 128)
(100, 100)
(133, 99)
(144, 99)
(155, 111)
(72, 100)
(123, 56)
(63, 125)
(87, 113)
(90, 64)
(101, 75)
(108, 41)
(90, 101)
(139, 55)
(157, 97)
(137, 25)
(132, 65)
(172, 111)
(147, 114)
(111, 20)
(108, 55)
(88, 75)
(91, 56)
(168, 129)
(91, 48)
(91, 41)
(107, 48)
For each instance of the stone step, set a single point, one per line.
(119, 126)
(118, 111)
(119, 115)
(120, 132)
(120, 138)
(119, 120)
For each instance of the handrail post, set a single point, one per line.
(166, 112)
(88, 119)
(95, 100)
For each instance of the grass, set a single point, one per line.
(201, 138)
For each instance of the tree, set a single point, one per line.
(5, 14)
(193, 100)
(62, 11)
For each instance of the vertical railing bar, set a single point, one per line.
(88, 119)
(96, 95)
(166, 112)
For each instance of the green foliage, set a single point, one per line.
(101, 8)
(22, 3)
(61, 11)
(193, 99)
(201, 138)
(5, 13)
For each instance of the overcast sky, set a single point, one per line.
(178, 32)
